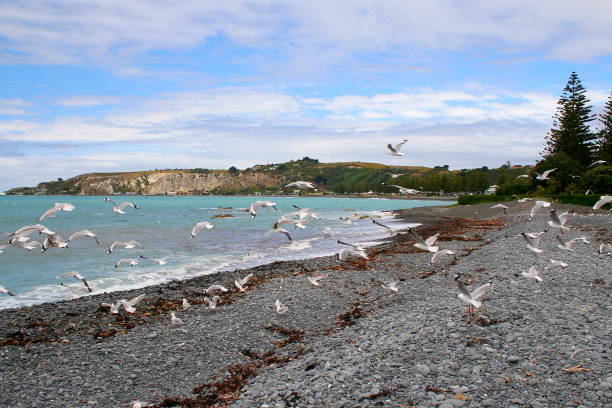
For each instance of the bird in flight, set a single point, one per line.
(118, 209)
(544, 176)
(395, 150)
(56, 208)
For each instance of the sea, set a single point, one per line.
(163, 225)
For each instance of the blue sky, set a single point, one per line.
(115, 86)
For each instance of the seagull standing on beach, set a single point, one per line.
(196, 228)
(260, 204)
(83, 233)
(56, 208)
(5, 291)
(127, 245)
(395, 150)
(118, 209)
(471, 297)
(544, 176)
(280, 308)
(175, 322)
(533, 274)
(212, 302)
(603, 200)
(595, 163)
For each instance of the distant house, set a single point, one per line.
(491, 190)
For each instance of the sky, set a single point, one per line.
(115, 85)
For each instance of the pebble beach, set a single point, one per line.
(348, 342)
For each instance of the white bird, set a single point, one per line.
(302, 213)
(544, 176)
(240, 282)
(212, 302)
(129, 305)
(280, 308)
(53, 241)
(603, 200)
(598, 162)
(30, 245)
(199, 226)
(536, 207)
(175, 322)
(118, 209)
(603, 250)
(140, 404)
(277, 227)
(213, 288)
(524, 200)
(394, 175)
(392, 231)
(425, 245)
(260, 204)
(5, 291)
(439, 254)
(75, 291)
(471, 298)
(159, 261)
(558, 221)
(532, 241)
(76, 275)
(568, 246)
(314, 280)
(403, 190)
(346, 252)
(83, 233)
(28, 229)
(393, 286)
(523, 176)
(555, 264)
(56, 207)
(185, 304)
(130, 261)
(301, 185)
(503, 208)
(395, 150)
(125, 244)
(533, 274)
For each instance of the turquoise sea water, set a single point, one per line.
(163, 225)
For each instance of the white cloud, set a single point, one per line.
(13, 106)
(86, 101)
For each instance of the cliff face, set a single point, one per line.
(162, 182)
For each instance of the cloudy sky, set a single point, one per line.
(114, 85)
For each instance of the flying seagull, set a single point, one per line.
(403, 190)
(439, 254)
(213, 288)
(73, 290)
(159, 261)
(346, 252)
(544, 176)
(392, 231)
(395, 150)
(280, 308)
(314, 280)
(555, 264)
(130, 261)
(127, 245)
(532, 241)
(603, 200)
(83, 233)
(301, 185)
(260, 204)
(538, 204)
(425, 245)
(503, 208)
(56, 208)
(568, 246)
(5, 291)
(394, 175)
(533, 274)
(118, 209)
(199, 226)
(78, 276)
(598, 162)
(53, 240)
(523, 200)
(523, 176)
(471, 298)
(240, 282)
(558, 221)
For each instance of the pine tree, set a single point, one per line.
(571, 133)
(605, 135)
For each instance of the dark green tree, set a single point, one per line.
(604, 152)
(571, 133)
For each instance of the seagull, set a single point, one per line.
(524, 200)
(558, 221)
(403, 190)
(175, 322)
(213, 288)
(568, 245)
(394, 175)
(503, 208)
(277, 228)
(56, 207)
(395, 150)
(532, 241)
(131, 261)
(302, 213)
(392, 231)
(159, 261)
(301, 185)
(118, 209)
(314, 280)
(604, 249)
(30, 245)
(603, 200)
(185, 304)
(199, 226)
(393, 286)
(554, 264)
(53, 240)
(140, 404)
(346, 252)
(544, 176)
(471, 297)
(523, 176)
(76, 275)
(598, 162)
(533, 274)
(113, 307)
(280, 308)
(538, 204)
(425, 245)
(28, 229)
(260, 204)
(73, 290)
(128, 305)
(356, 246)
(240, 282)
(438, 254)
(127, 245)
(83, 233)
(212, 302)
(5, 291)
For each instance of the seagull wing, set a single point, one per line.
(602, 201)
(400, 144)
(127, 204)
(478, 292)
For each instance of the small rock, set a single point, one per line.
(513, 359)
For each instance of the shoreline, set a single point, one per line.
(56, 337)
